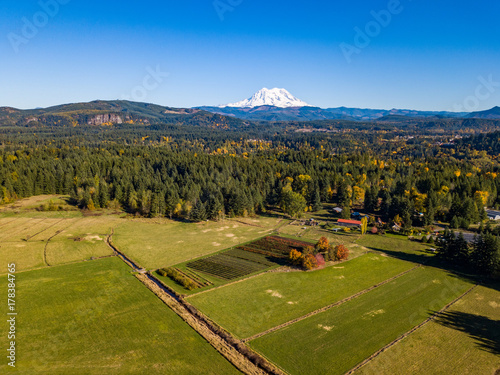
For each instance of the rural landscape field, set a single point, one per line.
(376, 312)
(249, 187)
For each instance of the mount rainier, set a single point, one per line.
(280, 98)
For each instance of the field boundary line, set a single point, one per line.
(252, 225)
(405, 335)
(191, 316)
(125, 258)
(328, 307)
(63, 264)
(226, 349)
(19, 229)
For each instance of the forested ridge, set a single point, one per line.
(155, 180)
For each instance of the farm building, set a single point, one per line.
(338, 210)
(493, 215)
(358, 216)
(349, 223)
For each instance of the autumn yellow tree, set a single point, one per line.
(295, 257)
(481, 197)
(364, 225)
(309, 262)
(322, 245)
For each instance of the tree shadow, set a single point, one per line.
(426, 259)
(485, 331)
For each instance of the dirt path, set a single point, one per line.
(228, 351)
(123, 257)
(405, 335)
(232, 351)
(323, 309)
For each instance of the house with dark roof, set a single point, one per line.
(493, 214)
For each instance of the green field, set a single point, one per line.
(465, 342)
(255, 305)
(89, 317)
(25, 239)
(163, 243)
(334, 341)
(398, 246)
(97, 318)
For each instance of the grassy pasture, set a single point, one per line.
(28, 207)
(334, 341)
(26, 255)
(24, 239)
(96, 318)
(398, 246)
(465, 341)
(162, 243)
(255, 305)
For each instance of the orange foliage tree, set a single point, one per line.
(309, 262)
(341, 252)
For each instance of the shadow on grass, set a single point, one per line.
(428, 259)
(485, 331)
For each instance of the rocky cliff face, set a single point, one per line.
(108, 117)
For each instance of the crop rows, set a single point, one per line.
(226, 266)
(245, 260)
(274, 246)
(251, 256)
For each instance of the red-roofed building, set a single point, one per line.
(349, 223)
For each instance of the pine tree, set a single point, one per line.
(198, 212)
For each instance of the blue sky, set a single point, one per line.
(419, 54)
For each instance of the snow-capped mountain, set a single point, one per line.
(275, 97)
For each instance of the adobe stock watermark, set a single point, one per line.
(484, 91)
(31, 26)
(364, 36)
(151, 81)
(224, 6)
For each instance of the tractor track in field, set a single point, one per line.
(325, 308)
(240, 356)
(7, 223)
(43, 230)
(49, 239)
(405, 335)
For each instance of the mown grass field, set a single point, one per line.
(465, 341)
(28, 208)
(92, 314)
(26, 240)
(255, 305)
(162, 243)
(334, 341)
(97, 318)
(397, 246)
